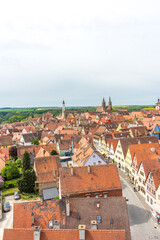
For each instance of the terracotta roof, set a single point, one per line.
(144, 151)
(156, 176)
(6, 141)
(50, 210)
(65, 234)
(102, 177)
(125, 142)
(149, 165)
(114, 208)
(45, 166)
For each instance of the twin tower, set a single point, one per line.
(107, 108)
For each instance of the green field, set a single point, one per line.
(9, 115)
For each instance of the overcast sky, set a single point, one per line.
(79, 51)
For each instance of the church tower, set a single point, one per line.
(158, 105)
(104, 105)
(109, 104)
(63, 109)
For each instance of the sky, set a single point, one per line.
(80, 52)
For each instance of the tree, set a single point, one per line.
(54, 152)
(27, 183)
(18, 162)
(10, 171)
(13, 152)
(35, 141)
(26, 161)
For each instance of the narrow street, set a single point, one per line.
(141, 223)
(7, 221)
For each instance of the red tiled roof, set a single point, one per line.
(101, 177)
(65, 234)
(44, 168)
(50, 210)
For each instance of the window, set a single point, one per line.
(94, 163)
(141, 173)
(88, 195)
(97, 196)
(93, 156)
(147, 198)
(105, 195)
(140, 179)
(151, 201)
(158, 197)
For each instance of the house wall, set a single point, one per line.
(134, 171)
(158, 195)
(150, 191)
(104, 147)
(128, 163)
(96, 142)
(141, 178)
(119, 157)
(46, 185)
(110, 193)
(94, 160)
(110, 151)
(2, 164)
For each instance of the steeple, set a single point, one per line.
(104, 104)
(109, 104)
(63, 109)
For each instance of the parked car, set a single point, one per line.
(6, 207)
(16, 196)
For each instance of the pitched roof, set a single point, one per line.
(114, 208)
(6, 141)
(64, 234)
(45, 166)
(29, 137)
(125, 142)
(50, 210)
(101, 178)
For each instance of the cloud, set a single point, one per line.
(79, 51)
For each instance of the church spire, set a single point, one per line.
(104, 104)
(63, 109)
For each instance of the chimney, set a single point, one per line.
(32, 217)
(56, 224)
(94, 225)
(67, 208)
(82, 230)
(36, 233)
(89, 169)
(72, 171)
(153, 150)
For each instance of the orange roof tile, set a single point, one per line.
(64, 234)
(101, 177)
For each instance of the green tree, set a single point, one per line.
(54, 152)
(10, 171)
(26, 161)
(18, 162)
(35, 141)
(27, 183)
